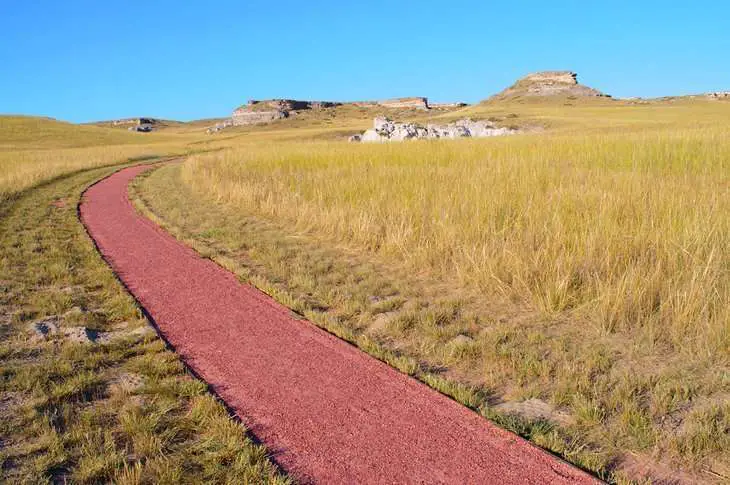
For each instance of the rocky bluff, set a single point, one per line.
(548, 83)
(264, 111)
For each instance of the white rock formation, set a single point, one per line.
(385, 129)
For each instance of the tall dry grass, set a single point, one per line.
(34, 150)
(628, 231)
(21, 169)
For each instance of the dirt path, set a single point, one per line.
(327, 412)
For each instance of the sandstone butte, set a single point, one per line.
(548, 83)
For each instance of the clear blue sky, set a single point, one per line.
(91, 60)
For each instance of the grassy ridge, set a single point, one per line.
(588, 267)
(33, 150)
(30, 132)
(26, 168)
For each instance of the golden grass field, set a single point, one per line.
(571, 283)
(120, 411)
(587, 264)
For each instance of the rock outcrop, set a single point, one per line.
(135, 121)
(447, 105)
(144, 128)
(404, 103)
(220, 126)
(287, 105)
(719, 95)
(257, 112)
(415, 102)
(548, 83)
(385, 129)
(242, 117)
(143, 125)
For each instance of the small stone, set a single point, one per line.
(126, 382)
(81, 335)
(381, 321)
(45, 328)
(461, 340)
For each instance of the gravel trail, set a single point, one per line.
(327, 412)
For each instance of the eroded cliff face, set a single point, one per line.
(548, 83)
(243, 117)
(286, 105)
(265, 111)
(414, 102)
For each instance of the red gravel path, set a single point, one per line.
(327, 412)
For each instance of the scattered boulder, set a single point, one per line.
(385, 129)
(548, 83)
(719, 95)
(219, 126)
(144, 128)
(50, 327)
(45, 328)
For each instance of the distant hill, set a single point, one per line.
(23, 132)
(157, 124)
(548, 83)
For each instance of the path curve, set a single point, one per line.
(327, 412)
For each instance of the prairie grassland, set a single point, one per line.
(88, 392)
(587, 268)
(33, 150)
(602, 115)
(628, 230)
(32, 132)
(22, 169)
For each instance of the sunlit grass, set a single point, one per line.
(34, 150)
(588, 264)
(628, 231)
